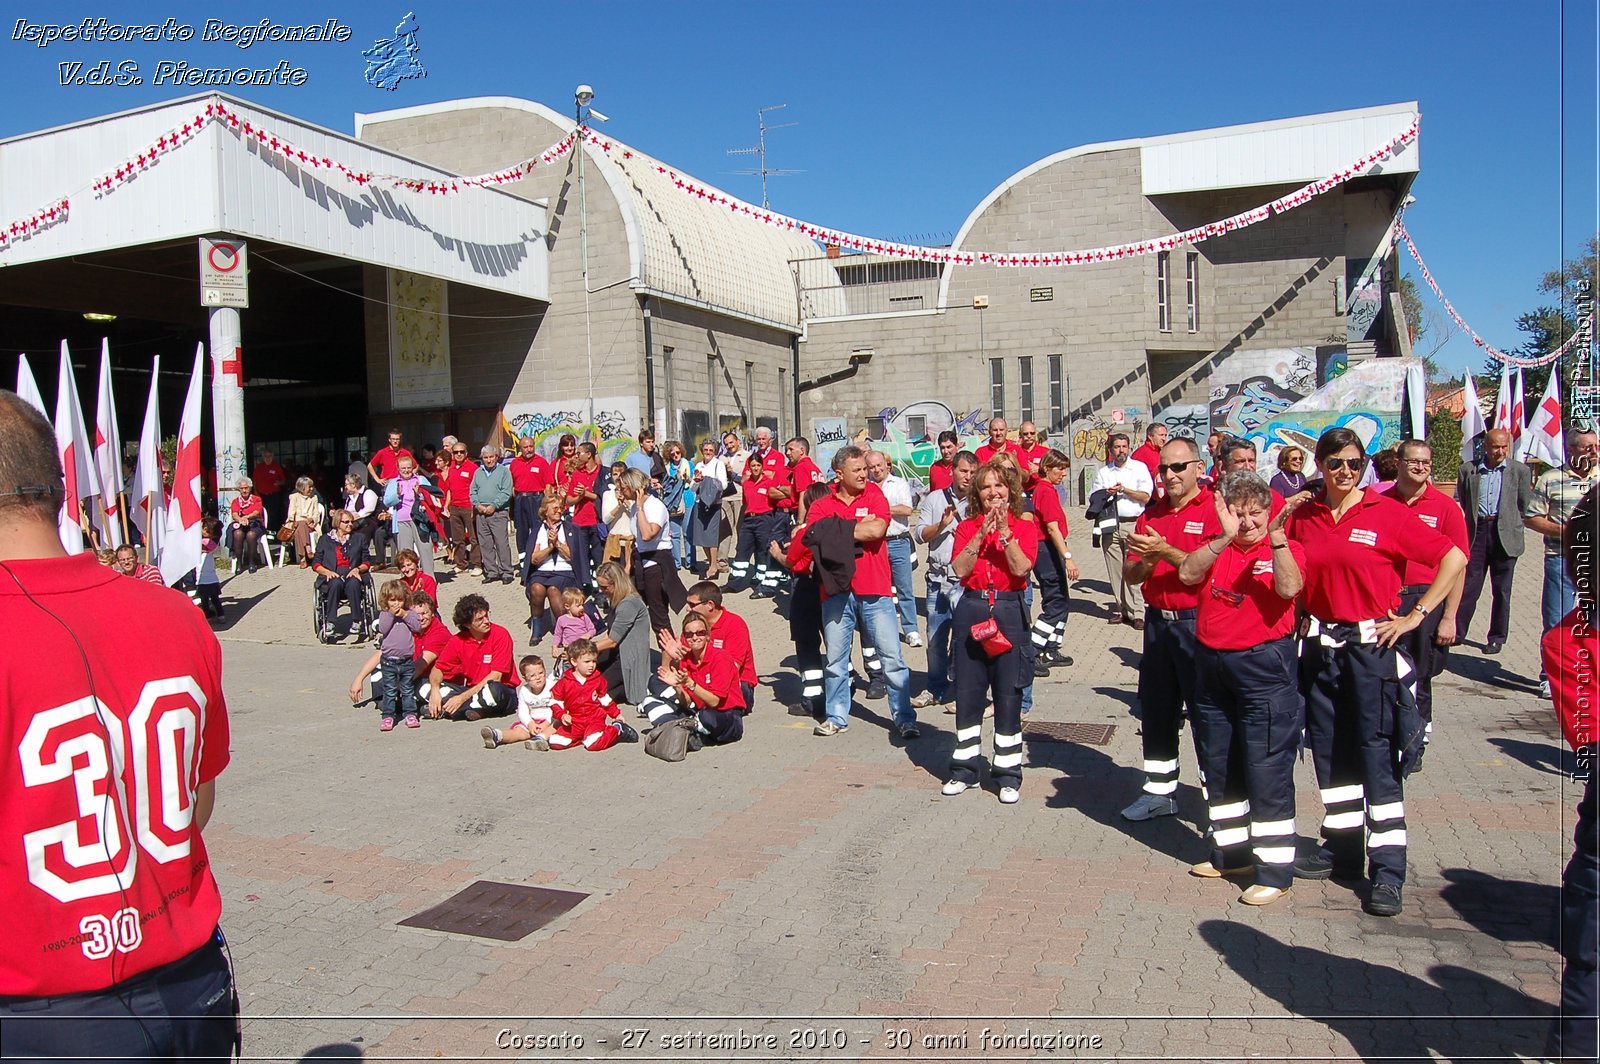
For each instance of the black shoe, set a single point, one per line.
(1492, 648)
(875, 689)
(1313, 866)
(799, 709)
(506, 580)
(1384, 900)
(1055, 657)
(1041, 667)
(626, 733)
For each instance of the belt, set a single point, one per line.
(1259, 646)
(1338, 633)
(1414, 589)
(1483, 518)
(899, 535)
(1173, 615)
(982, 594)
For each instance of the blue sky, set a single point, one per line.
(909, 114)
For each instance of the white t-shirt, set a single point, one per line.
(536, 706)
(1131, 474)
(656, 511)
(898, 492)
(713, 478)
(618, 521)
(555, 563)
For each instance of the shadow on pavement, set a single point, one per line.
(1094, 785)
(1127, 696)
(1507, 909)
(1543, 757)
(334, 1051)
(235, 606)
(1128, 656)
(1466, 1015)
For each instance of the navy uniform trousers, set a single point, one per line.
(1247, 730)
(1166, 691)
(980, 677)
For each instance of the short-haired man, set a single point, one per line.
(1493, 492)
(1030, 451)
(1148, 453)
(803, 473)
(584, 484)
(385, 464)
(857, 503)
(128, 564)
(1555, 494)
(458, 512)
(1428, 643)
(272, 484)
(1128, 488)
(942, 510)
(491, 507)
(898, 492)
(1183, 520)
(940, 471)
(730, 634)
(116, 729)
(766, 484)
(997, 441)
(530, 477)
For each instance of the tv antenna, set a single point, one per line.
(760, 152)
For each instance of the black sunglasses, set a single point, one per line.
(1352, 464)
(1176, 467)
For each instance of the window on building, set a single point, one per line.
(783, 402)
(1163, 307)
(997, 388)
(1057, 405)
(669, 398)
(916, 428)
(877, 429)
(750, 389)
(693, 427)
(1025, 386)
(1192, 278)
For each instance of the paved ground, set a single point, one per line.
(822, 894)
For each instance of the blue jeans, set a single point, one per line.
(877, 616)
(399, 697)
(1559, 596)
(900, 575)
(941, 628)
(682, 549)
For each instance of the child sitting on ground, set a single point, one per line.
(535, 709)
(397, 642)
(572, 625)
(586, 705)
(208, 586)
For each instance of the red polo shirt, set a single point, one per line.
(1150, 457)
(989, 450)
(585, 512)
(458, 484)
(467, 659)
(1238, 607)
(432, 639)
(719, 674)
(798, 556)
(802, 475)
(774, 474)
(731, 635)
(1571, 654)
(421, 581)
(1354, 567)
(941, 474)
(387, 461)
(990, 570)
(872, 564)
(269, 478)
(1442, 514)
(1047, 508)
(1188, 529)
(530, 474)
(1030, 458)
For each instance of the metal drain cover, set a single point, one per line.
(1049, 731)
(504, 911)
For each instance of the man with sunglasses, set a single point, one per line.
(1030, 451)
(458, 510)
(1184, 520)
(1428, 643)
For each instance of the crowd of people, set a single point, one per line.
(1322, 601)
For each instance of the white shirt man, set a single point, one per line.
(1128, 486)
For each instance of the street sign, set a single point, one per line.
(224, 273)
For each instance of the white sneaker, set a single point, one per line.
(953, 788)
(924, 700)
(1010, 796)
(914, 640)
(1150, 806)
(327, 631)
(1544, 690)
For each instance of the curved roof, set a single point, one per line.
(679, 248)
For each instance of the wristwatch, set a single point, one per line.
(1420, 608)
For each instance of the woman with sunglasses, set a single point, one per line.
(702, 684)
(1359, 721)
(1246, 701)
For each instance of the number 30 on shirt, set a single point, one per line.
(66, 749)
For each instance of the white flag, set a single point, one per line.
(27, 387)
(1502, 401)
(147, 496)
(1416, 396)
(1519, 418)
(107, 513)
(180, 549)
(77, 465)
(1544, 439)
(1472, 424)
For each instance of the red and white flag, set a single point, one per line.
(1472, 425)
(1502, 401)
(180, 549)
(1544, 439)
(27, 387)
(107, 515)
(147, 496)
(77, 464)
(1519, 417)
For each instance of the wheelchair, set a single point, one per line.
(363, 616)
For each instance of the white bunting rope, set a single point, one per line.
(717, 198)
(1492, 351)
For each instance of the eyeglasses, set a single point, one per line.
(1420, 463)
(697, 635)
(1333, 465)
(693, 604)
(1175, 467)
(1222, 594)
(460, 452)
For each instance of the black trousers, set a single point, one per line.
(492, 700)
(1166, 695)
(1352, 693)
(1426, 656)
(1580, 931)
(525, 514)
(1487, 557)
(752, 561)
(1247, 730)
(1051, 572)
(347, 588)
(717, 726)
(591, 540)
(980, 677)
(186, 1010)
(805, 628)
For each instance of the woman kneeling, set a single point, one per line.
(703, 685)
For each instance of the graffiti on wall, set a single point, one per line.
(1364, 281)
(1300, 428)
(1191, 421)
(828, 434)
(933, 417)
(611, 431)
(1253, 387)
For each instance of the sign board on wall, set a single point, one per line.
(830, 434)
(224, 273)
(419, 342)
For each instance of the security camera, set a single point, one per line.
(597, 116)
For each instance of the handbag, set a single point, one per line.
(286, 533)
(669, 741)
(731, 488)
(988, 634)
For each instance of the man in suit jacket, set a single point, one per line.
(1492, 492)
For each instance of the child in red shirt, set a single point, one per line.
(587, 717)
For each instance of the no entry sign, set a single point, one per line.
(224, 273)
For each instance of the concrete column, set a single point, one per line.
(227, 407)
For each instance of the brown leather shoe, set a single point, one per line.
(1115, 618)
(1138, 624)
